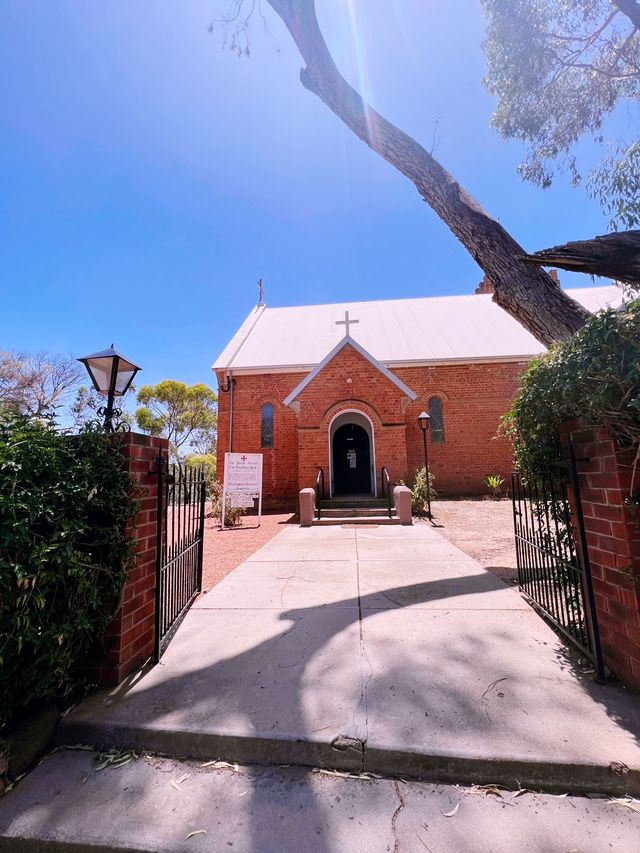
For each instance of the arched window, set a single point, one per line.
(266, 426)
(437, 421)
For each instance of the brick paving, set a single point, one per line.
(226, 549)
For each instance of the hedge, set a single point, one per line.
(65, 502)
(595, 376)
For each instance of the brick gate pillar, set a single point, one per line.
(129, 639)
(613, 542)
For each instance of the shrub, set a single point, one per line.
(494, 482)
(232, 514)
(65, 502)
(419, 491)
(594, 376)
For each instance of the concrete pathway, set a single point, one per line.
(165, 806)
(384, 649)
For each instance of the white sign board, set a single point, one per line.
(244, 501)
(242, 478)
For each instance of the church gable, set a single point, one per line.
(350, 373)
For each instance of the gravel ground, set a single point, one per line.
(483, 530)
(226, 549)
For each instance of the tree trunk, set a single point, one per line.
(527, 293)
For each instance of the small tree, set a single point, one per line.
(206, 461)
(35, 384)
(85, 405)
(179, 412)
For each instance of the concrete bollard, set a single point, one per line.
(307, 507)
(402, 502)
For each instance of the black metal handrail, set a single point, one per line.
(319, 490)
(385, 480)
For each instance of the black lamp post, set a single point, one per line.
(112, 375)
(424, 420)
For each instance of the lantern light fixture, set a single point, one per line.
(424, 420)
(111, 374)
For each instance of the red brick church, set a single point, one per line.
(340, 387)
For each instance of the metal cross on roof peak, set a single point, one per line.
(346, 322)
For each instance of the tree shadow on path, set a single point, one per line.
(275, 695)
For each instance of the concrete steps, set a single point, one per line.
(354, 502)
(353, 518)
(355, 511)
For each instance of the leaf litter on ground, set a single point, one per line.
(521, 792)
(114, 758)
(627, 803)
(345, 774)
(219, 763)
(484, 790)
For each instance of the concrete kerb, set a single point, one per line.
(349, 754)
(135, 807)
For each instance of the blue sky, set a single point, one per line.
(148, 177)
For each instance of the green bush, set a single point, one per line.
(65, 502)
(595, 376)
(232, 515)
(419, 491)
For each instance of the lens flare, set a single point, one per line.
(363, 83)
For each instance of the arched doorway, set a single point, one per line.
(352, 455)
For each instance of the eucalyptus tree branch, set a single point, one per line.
(528, 294)
(616, 255)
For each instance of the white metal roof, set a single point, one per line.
(426, 330)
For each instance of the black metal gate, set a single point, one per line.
(553, 571)
(181, 512)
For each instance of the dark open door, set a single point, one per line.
(351, 461)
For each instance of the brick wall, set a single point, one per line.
(613, 541)
(474, 397)
(129, 639)
(280, 463)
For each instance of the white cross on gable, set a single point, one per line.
(346, 322)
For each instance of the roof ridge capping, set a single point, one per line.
(474, 296)
(365, 354)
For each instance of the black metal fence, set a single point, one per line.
(553, 569)
(181, 513)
